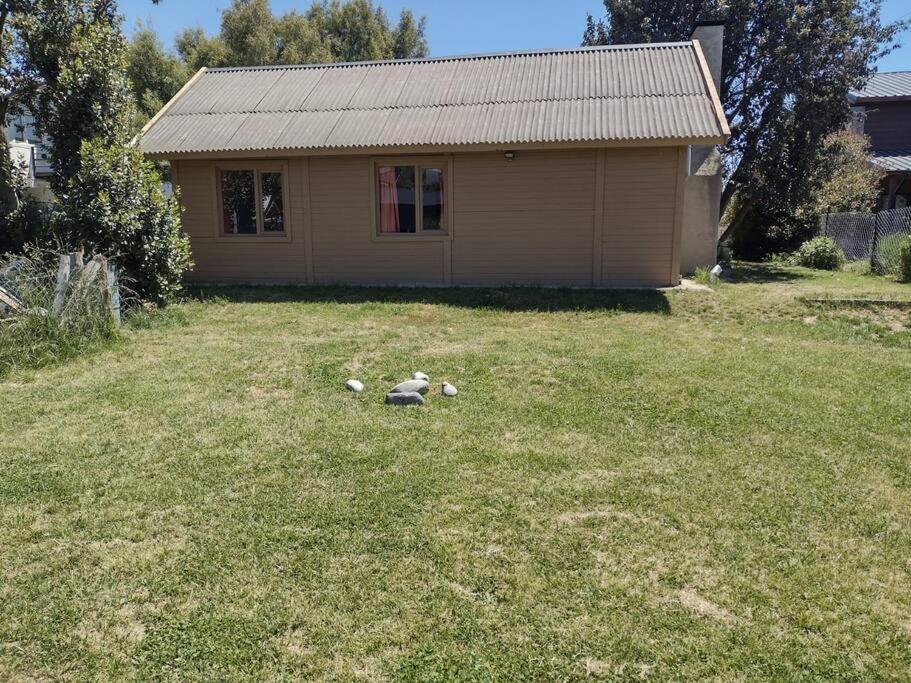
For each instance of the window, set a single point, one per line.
(252, 200)
(411, 198)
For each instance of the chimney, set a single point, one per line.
(710, 35)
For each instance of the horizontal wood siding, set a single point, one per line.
(640, 205)
(344, 249)
(526, 221)
(226, 260)
(889, 125)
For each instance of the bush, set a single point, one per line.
(36, 335)
(904, 259)
(821, 253)
(115, 205)
(888, 253)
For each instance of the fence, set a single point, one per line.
(870, 236)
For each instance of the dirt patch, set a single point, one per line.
(704, 607)
(579, 516)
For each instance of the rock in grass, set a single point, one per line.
(407, 398)
(421, 386)
(420, 375)
(354, 385)
(449, 390)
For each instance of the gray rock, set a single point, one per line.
(408, 398)
(421, 386)
(420, 375)
(354, 385)
(449, 390)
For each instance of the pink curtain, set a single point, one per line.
(442, 200)
(389, 200)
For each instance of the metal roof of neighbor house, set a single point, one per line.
(894, 161)
(605, 94)
(885, 86)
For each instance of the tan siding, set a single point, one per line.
(524, 221)
(241, 261)
(529, 221)
(196, 185)
(344, 249)
(640, 189)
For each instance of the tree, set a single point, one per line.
(850, 182)
(330, 31)
(85, 95)
(788, 67)
(115, 205)
(155, 76)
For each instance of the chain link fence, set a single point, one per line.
(873, 237)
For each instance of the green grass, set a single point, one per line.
(675, 485)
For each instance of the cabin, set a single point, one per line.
(582, 167)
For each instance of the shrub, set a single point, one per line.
(703, 275)
(888, 253)
(904, 259)
(115, 205)
(36, 334)
(820, 252)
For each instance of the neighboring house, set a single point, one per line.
(566, 167)
(22, 155)
(883, 112)
(22, 127)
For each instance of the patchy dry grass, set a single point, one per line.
(635, 485)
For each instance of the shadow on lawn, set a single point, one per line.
(763, 273)
(501, 298)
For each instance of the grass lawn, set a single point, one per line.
(639, 484)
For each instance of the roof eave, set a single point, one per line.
(880, 100)
(434, 149)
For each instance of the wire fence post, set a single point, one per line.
(875, 265)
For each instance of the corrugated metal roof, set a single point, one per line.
(896, 161)
(885, 85)
(634, 93)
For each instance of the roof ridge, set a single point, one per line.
(454, 58)
(437, 106)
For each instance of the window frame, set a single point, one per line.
(258, 168)
(419, 163)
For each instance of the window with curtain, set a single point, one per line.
(411, 199)
(252, 201)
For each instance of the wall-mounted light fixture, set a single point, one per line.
(510, 156)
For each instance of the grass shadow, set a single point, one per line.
(763, 273)
(533, 299)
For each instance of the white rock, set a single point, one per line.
(421, 386)
(420, 375)
(449, 390)
(354, 385)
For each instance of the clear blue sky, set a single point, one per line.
(457, 27)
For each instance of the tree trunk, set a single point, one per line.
(743, 212)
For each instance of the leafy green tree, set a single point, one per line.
(299, 41)
(115, 205)
(788, 67)
(197, 50)
(849, 181)
(155, 76)
(88, 97)
(330, 31)
(248, 31)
